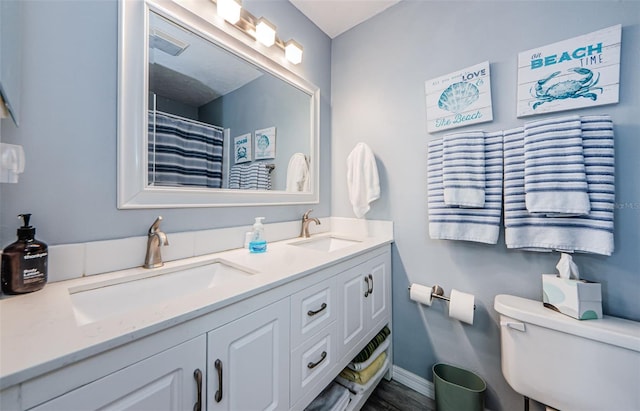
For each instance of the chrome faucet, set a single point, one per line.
(155, 240)
(304, 231)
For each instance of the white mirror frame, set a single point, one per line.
(200, 17)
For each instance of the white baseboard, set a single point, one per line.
(416, 383)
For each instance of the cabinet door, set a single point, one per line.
(351, 321)
(379, 297)
(162, 382)
(365, 298)
(248, 362)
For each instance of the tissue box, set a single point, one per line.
(576, 298)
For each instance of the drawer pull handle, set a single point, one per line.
(218, 365)
(371, 281)
(197, 375)
(311, 313)
(313, 365)
(366, 293)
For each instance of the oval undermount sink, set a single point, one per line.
(326, 243)
(97, 301)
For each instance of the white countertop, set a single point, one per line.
(39, 331)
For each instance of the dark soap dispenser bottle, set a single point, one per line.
(24, 263)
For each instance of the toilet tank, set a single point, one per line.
(569, 364)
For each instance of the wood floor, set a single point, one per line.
(392, 396)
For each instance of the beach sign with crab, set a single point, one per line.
(580, 72)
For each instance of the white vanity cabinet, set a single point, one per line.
(275, 349)
(248, 361)
(169, 381)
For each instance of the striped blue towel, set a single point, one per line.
(463, 169)
(555, 182)
(469, 224)
(592, 233)
(254, 176)
(257, 178)
(235, 174)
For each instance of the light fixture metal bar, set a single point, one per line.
(247, 25)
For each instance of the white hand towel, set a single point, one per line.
(555, 182)
(298, 173)
(592, 233)
(362, 179)
(463, 169)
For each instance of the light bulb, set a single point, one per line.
(265, 32)
(229, 10)
(293, 51)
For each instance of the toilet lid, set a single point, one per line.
(610, 330)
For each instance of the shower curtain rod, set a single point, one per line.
(188, 120)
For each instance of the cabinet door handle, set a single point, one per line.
(371, 280)
(218, 365)
(366, 280)
(312, 313)
(197, 374)
(313, 365)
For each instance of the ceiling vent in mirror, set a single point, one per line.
(162, 41)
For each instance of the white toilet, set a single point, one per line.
(569, 364)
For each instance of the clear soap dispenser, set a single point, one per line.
(258, 243)
(24, 263)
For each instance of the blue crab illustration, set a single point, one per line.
(566, 89)
(241, 153)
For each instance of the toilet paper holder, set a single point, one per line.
(438, 292)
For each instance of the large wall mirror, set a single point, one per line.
(204, 119)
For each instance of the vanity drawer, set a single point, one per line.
(313, 364)
(312, 309)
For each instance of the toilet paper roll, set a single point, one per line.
(461, 306)
(421, 294)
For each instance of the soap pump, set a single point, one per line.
(258, 243)
(24, 263)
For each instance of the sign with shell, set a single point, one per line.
(459, 99)
(580, 72)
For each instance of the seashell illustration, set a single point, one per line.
(458, 96)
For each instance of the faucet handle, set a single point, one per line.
(155, 226)
(164, 240)
(306, 215)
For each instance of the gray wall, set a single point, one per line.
(265, 102)
(378, 74)
(68, 126)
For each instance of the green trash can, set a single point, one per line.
(457, 389)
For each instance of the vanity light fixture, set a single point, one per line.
(293, 51)
(260, 29)
(265, 32)
(229, 10)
